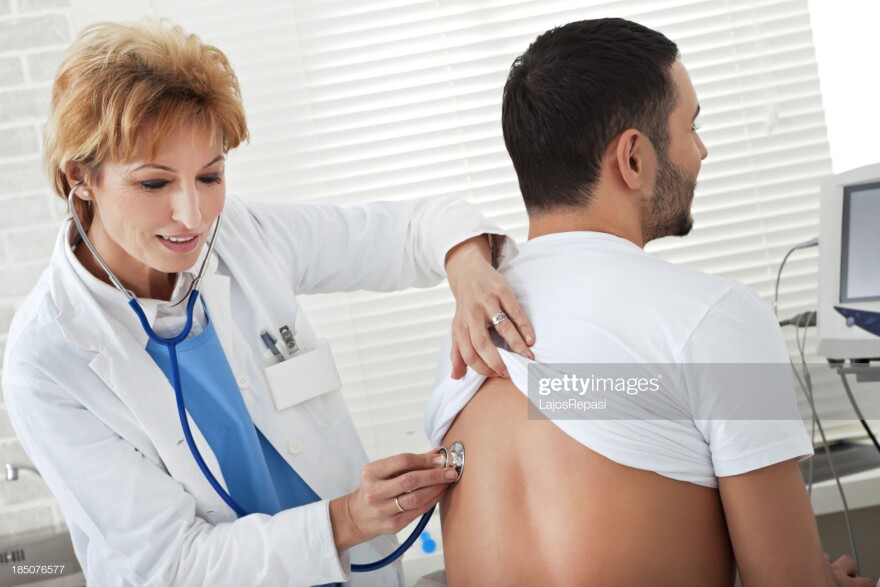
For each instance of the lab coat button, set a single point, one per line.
(295, 446)
(242, 381)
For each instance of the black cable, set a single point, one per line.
(852, 400)
(804, 319)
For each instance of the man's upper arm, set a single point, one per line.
(772, 528)
(743, 391)
(740, 386)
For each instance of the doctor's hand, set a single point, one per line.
(394, 491)
(483, 296)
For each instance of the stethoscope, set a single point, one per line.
(454, 455)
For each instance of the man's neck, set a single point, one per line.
(595, 218)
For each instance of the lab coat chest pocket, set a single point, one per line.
(311, 379)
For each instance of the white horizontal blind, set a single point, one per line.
(394, 99)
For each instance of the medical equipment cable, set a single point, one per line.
(801, 348)
(804, 245)
(852, 400)
(798, 322)
(808, 392)
(812, 420)
(815, 419)
(827, 450)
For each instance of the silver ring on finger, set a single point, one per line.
(397, 503)
(499, 318)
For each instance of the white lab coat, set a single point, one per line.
(99, 420)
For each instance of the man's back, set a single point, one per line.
(535, 507)
(580, 501)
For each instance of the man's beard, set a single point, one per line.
(669, 211)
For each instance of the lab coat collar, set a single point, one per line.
(79, 294)
(115, 335)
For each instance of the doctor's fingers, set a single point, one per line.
(459, 367)
(414, 504)
(413, 480)
(417, 502)
(393, 466)
(516, 330)
(378, 492)
(477, 349)
(509, 321)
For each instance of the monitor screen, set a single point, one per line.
(860, 250)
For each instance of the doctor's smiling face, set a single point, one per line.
(153, 215)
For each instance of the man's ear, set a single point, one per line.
(75, 173)
(630, 158)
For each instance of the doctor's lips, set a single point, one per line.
(179, 243)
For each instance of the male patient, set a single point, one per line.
(598, 119)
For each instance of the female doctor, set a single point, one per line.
(141, 119)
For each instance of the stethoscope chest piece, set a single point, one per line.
(455, 458)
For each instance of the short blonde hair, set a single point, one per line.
(118, 78)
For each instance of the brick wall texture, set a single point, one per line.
(33, 36)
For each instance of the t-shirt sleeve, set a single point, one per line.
(739, 381)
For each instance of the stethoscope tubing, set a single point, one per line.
(171, 344)
(417, 531)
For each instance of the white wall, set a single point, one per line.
(846, 35)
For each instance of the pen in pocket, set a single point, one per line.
(270, 344)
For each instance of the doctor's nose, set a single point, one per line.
(186, 207)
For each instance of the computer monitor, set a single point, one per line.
(849, 264)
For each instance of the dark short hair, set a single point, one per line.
(576, 88)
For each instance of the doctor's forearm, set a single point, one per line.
(463, 255)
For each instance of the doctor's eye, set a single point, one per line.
(154, 184)
(695, 127)
(211, 179)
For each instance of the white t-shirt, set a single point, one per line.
(726, 402)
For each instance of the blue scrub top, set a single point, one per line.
(256, 476)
